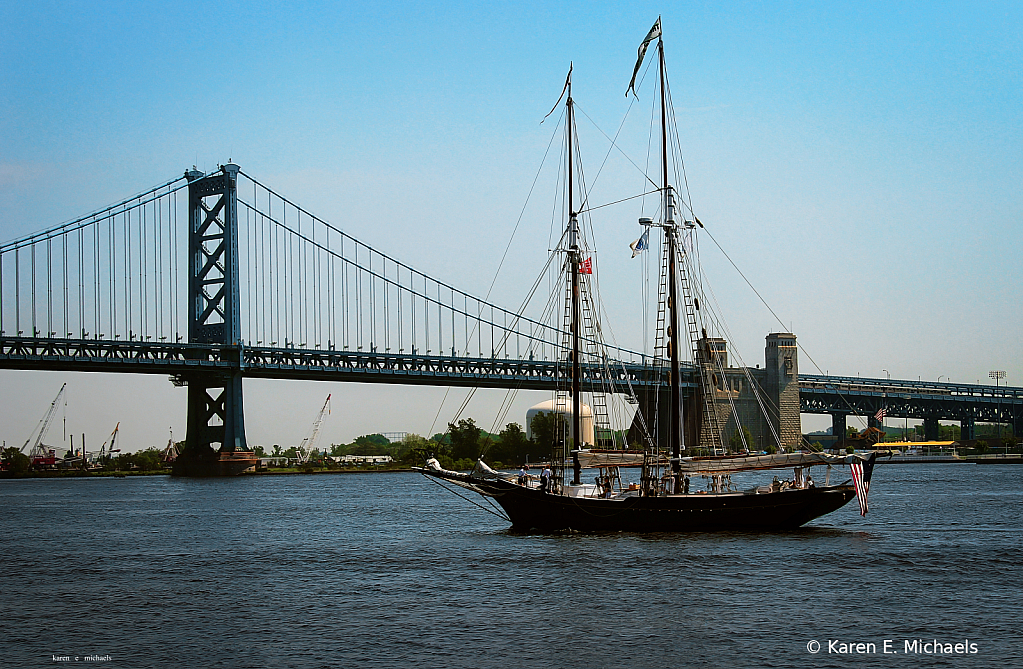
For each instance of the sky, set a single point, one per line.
(861, 164)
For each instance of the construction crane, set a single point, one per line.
(104, 452)
(41, 454)
(307, 445)
(170, 453)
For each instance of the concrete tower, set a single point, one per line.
(782, 385)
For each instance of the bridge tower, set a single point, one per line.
(215, 413)
(782, 385)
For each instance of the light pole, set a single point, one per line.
(999, 374)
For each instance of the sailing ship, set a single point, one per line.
(693, 444)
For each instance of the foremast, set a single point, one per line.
(573, 255)
(668, 204)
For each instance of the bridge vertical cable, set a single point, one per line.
(119, 275)
(104, 274)
(330, 291)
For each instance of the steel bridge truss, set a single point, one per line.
(263, 288)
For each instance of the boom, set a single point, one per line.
(306, 447)
(44, 424)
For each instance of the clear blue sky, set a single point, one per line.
(860, 162)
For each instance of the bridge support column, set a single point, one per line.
(216, 422)
(967, 429)
(838, 425)
(932, 429)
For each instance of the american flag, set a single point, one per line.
(861, 472)
(881, 413)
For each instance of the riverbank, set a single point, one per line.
(1011, 459)
(293, 471)
(77, 473)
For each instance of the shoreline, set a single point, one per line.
(286, 472)
(904, 460)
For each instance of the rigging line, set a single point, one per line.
(482, 303)
(470, 501)
(614, 145)
(758, 391)
(439, 409)
(688, 201)
(608, 204)
(526, 203)
(356, 241)
(424, 295)
(610, 147)
(800, 346)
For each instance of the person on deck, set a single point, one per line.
(524, 475)
(545, 479)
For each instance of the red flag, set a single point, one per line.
(586, 266)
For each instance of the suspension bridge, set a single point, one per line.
(212, 278)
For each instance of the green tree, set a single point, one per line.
(124, 461)
(548, 430)
(15, 461)
(465, 439)
(369, 448)
(512, 446)
(851, 431)
(260, 453)
(277, 451)
(414, 450)
(149, 460)
(736, 442)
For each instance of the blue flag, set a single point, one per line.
(641, 244)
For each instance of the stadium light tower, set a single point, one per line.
(998, 374)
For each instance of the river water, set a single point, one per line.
(390, 570)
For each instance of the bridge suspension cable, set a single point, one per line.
(121, 274)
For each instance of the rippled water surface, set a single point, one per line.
(389, 570)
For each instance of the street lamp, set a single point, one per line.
(1000, 374)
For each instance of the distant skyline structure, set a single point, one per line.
(861, 165)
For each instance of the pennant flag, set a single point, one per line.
(654, 33)
(568, 82)
(881, 413)
(861, 472)
(641, 244)
(586, 266)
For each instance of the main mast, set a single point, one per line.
(573, 252)
(675, 411)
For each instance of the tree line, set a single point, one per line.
(456, 448)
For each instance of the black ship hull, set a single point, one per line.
(531, 509)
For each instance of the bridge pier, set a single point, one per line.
(967, 428)
(216, 422)
(932, 429)
(838, 425)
